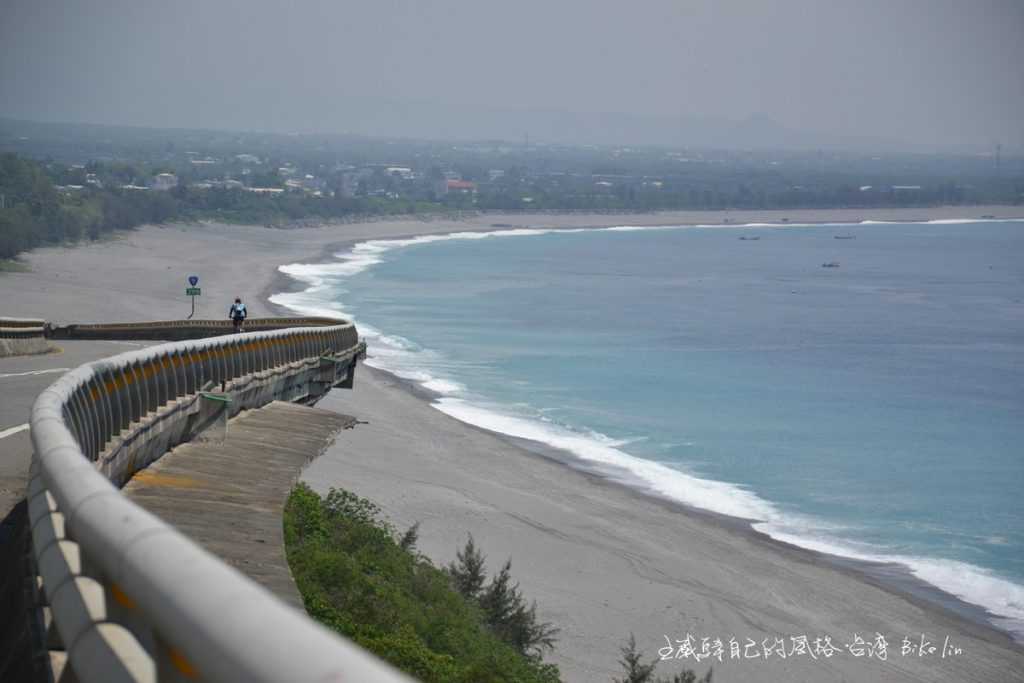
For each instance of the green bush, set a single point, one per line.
(361, 579)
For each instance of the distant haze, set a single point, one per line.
(916, 74)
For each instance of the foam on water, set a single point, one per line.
(970, 583)
(946, 221)
(406, 359)
(604, 452)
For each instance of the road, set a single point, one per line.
(21, 380)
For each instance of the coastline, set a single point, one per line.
(603, 559)
(76, 276)
(892, 577)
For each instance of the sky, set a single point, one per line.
(929, 74)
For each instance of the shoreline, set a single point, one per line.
(603, 559)
(892, 576)
(74, 284)
(282, 283)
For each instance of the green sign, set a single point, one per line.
(193, 291)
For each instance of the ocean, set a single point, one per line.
(871, 408)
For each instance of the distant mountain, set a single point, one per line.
(434, 121)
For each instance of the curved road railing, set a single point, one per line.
(128, 598)
(170, 330)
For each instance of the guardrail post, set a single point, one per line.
(135, 391)
(123, 396)
(83, 424)
(97, 405)
(189, 361)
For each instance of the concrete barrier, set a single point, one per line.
(127, 597)
(7, 323)
(22, 336)
(175, 330)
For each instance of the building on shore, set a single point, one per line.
(164, 181)
(446, 186)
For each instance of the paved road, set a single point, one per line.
(21, 380)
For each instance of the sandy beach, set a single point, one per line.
(600, 559)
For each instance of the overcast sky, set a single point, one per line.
(936, 73)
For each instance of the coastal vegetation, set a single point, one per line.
(62, 182)
(362, 579)
(34, 213)
(50, 204)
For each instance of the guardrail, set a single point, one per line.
(127, 597)
(173, 330)
(20, 328)
(21, 336)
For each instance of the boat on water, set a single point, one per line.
(844, 237)
(747, 238)
(830, 264)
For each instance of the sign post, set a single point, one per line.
(193, 292)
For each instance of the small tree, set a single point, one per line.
(410, 537)
(498, 600)
(632, 664)
(515, 623)
(467, 572)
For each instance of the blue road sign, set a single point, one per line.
(193, 280)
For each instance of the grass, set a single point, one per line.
(13, 266)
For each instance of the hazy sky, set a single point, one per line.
(929, 72)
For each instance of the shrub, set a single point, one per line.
(359, 579)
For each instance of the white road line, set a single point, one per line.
(35, 372)
(13, 430)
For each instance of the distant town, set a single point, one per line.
(73, 180)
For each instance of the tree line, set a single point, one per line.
(51, 203)
(34, 211)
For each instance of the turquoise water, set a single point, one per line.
(874, 410)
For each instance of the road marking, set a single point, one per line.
(35, 372)
(13, 430)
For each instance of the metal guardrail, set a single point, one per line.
(129, 598)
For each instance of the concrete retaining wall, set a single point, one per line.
(22, 337)
(125, 596)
